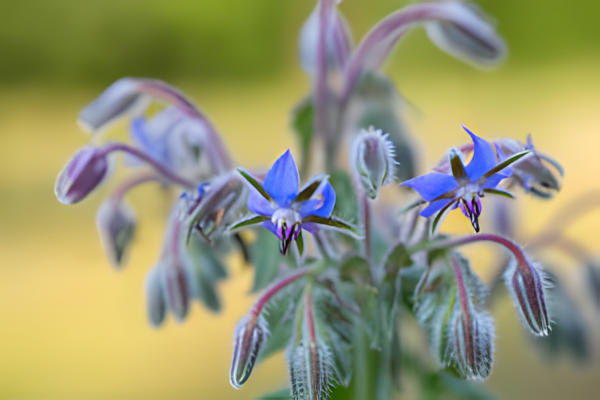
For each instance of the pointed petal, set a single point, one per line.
(483, 159)
(282, 180)
(258, 204)
(270, 226)
(431, 186)
(434, 207)
(322, 206)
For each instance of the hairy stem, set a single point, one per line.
(160, 168)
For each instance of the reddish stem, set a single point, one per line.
(465, 310)
(160, 168)
(272, 291)
(511, 246)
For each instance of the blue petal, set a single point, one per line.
(493, 181)
(270, 226)
(258, 204)
(483, 159)
(434, 207)
(320, 207)
(431, 186)
(282, 180)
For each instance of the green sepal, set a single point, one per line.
(250, 179)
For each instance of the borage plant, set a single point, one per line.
(338, 267)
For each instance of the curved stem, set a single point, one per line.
(511, 246)
(274, 289)
(160, 168)
(125, 186)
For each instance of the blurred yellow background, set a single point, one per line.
(71, 327)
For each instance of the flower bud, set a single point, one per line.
(467, 35)
(311, 372)
(212, 208)
(527, 287)
(82, 174)
(338, 41)
(532, 172)
(249, 335)
(155, 300)
(372, 158)
(116, 225)
(472, 341)
(120, 98)
(176, 287)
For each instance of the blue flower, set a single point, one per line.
(285, 209)
(466, 184)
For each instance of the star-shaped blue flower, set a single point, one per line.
(285, 209)
(466, 184)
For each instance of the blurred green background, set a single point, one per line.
(70, 327)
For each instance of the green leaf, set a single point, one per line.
(510, 160)
(353, 268)
(302, 124)
(207, 269)
(309, 190)
(254, 183)
(266, 259)
(248, 221)
(397, 258)
(282, 394)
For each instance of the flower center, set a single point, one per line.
(288, 225)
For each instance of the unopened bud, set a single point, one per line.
(532, 172)
(311, 372)
(176, 287)
(250, 333)
(467, 35)
(155, 299)
(372, 158)
(527, 286)
(116, 223)
(82, 174)
(472, 336)
(338, 41)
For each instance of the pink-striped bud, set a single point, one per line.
(527, 286)
(250, 333)
(82, 174)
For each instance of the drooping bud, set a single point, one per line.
(155, 299)
(250, 333)
(338, 41)
(176, 270)
(373, 162)
(119, 99)
(82, 174)
(473, 343)
(533, 172)
(467, 35)
(176, 287)
(471, 329)
(311, 372)
(210, 210)
(527, 286)
(116, 223)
